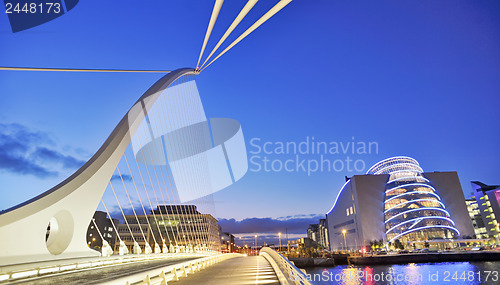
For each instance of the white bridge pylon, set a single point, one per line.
(69, 206)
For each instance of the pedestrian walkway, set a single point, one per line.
(235, 271)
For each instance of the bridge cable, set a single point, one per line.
(204, 226)
(111, 219)
(185, 90)
(148, 119)
(79, 69)
(213, 18)
(151, 206)
(188, 136)
(154, 191)
(99, 232)
(121, 209)
(183, 211)
(180, 148)
(132, 206)
(233, 25)
(152, 209)
(280, 5)
(140, 201)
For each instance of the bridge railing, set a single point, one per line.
(172, 272)
(19, 272)
(286, 271)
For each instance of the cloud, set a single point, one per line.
(293, 225)
(20, 165)
(52, 156)
(24, 151)
(249, 239)
(116, 213)
(125, 177)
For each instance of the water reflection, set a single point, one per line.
(470, 273)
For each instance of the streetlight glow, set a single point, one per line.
(345, 243)
(279, 235)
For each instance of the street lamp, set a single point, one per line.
(255, 243)
(279, 234)
(345, 244)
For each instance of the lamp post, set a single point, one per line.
(255, 244)
(279, 234)
(345, 243)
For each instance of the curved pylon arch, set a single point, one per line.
(69, 206)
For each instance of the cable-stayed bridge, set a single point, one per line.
(164, 152)
(152, 178)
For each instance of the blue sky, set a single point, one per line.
(419, 78)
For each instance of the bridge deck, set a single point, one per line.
(103, 274)
(237, 271)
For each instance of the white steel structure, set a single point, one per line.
(167, 130)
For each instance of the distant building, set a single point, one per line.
(313, 232)
(319, 233)
(227, 242)
(323, 234)
(476, 217)
(488, 204)
(400, 204)
(302, 244)
(179, 227)
(104, 228)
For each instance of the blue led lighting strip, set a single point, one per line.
(409, 184)
(423, 228)
(397, 158)
(412, 202)
(419, 209)
(413, 192)
(338, 195)
(421, 218)
(407, 177)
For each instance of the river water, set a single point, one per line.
(470, 273)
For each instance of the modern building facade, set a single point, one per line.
(476, 217)
(319, 233)
(397, 202)
(101, 227)
(488, 204)
(181, 228)
(227, 242)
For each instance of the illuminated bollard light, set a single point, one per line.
(147, 280)
(163, 278)
(174, 272)
(123, 248)
(184, 272)
(148, 249)
(137, 248)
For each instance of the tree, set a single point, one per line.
(381, 243)
(398, 244)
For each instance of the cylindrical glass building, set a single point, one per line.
(413, 210)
